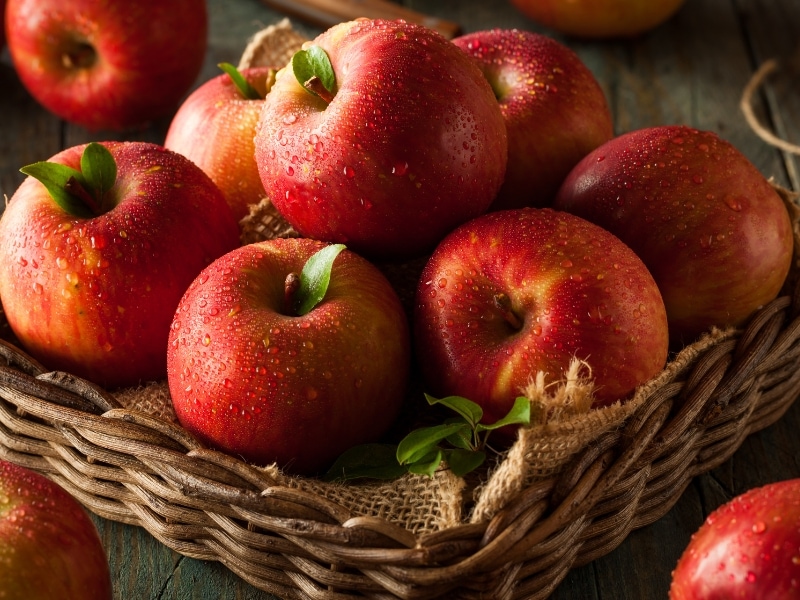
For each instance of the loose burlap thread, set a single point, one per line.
(564, 424)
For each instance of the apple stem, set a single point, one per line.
(290, 287)
(314, 84)
(74, 187)
(503, 302)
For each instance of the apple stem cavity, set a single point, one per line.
(305, 291)
(84, 192)
(290, 287)
(81, 56)
(313, 69)
(503, 303)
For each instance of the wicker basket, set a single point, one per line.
(131, 466)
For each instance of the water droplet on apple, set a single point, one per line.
(733, 203)
(349, 172)
(37, 287)
(206, 340)
(400, 169)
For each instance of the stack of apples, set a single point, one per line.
(491, 157)
(545, 237)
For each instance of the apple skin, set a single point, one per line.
(713, 232)
(251, 380)
(110, 65)
(214, 128)
(412, 144)
(554, 108)
(95, 296)
(577, 290)
(749, 548)
(599, 19)
(49, 547)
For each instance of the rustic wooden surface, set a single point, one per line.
(690, 70)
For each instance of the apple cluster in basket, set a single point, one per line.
(551, 249)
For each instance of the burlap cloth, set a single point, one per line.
(563, 423)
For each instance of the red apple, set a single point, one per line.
(554, 108)
(516, 292)
(599, 18)
(407, 143)
(253, 376)
(214, 128)
(749, 548)
(713, 232)
(91, 288)
(49, 547)
(107, 64)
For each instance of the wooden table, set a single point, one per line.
(691, 70)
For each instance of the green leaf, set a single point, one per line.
(468, 409)
(462, 462)
(247, 91)
(520, 414)
(427, 464)
(58, 179)
(366, 461)
(312, 63)
(462, 439)
(99, 169)
(315, 277)
(421, 441)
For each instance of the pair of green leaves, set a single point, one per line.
(460, 442)
(84, 192)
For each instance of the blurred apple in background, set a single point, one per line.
(397, 142)
(599, 18)
(554, 108)
(273, 373)
(214, 128)
(49, 547)
(89, 284)
(515, 292)
(712, 230)
(107, 64)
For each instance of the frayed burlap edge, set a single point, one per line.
(545, 448)
(273, 46)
